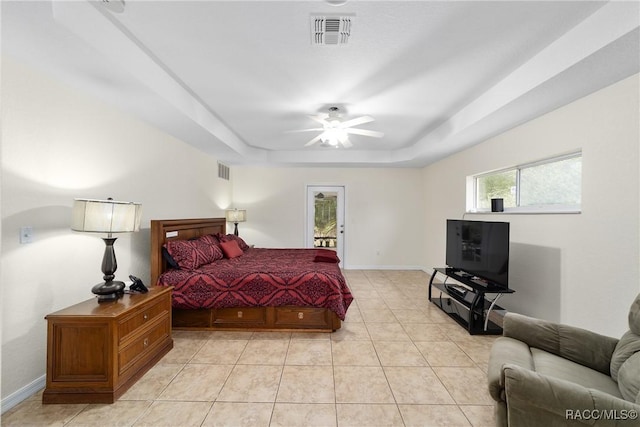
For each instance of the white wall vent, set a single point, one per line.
(330, 30)
(223, 171)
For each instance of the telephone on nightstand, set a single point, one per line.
(137, 285)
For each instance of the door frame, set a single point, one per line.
(340, 216)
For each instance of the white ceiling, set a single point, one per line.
(233, 77)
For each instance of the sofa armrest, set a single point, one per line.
(506, 350)
(534, 399)
(578, 345)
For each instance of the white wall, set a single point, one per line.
(579, 269)
(383, 207)
(58, 144)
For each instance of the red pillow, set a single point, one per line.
(210, 239)
(231, 249)
(325, 255)
(191, 254)
(241, 243)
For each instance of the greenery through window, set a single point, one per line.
(549, 185)
(325, 227)
(501, 185)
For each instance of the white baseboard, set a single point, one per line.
(386, 267)
(23, 394)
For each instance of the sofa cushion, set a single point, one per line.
(628, 345)
(625, 363)
(634, 316)
(629, 378)
(558, 367)
(576, 344)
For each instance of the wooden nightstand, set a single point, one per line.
(95, 352)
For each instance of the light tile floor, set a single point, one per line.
(396, 361)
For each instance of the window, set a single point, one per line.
(551, 185)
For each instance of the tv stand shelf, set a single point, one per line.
(466, 303)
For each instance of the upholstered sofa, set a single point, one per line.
(546, 374)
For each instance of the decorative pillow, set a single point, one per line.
(191, 254)
(231, 248)
(325, 255)
(210, 239)
(214, 250)
(172, 262)
(241, 243)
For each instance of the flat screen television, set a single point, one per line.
(480, 249)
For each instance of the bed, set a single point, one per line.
(263, 289)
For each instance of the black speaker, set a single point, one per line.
(497, 205)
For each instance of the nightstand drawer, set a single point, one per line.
(144, 315)
(136, 352)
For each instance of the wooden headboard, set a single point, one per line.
(163, 230)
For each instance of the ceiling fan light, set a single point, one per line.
(335, 131)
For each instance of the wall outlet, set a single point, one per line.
(26, 235)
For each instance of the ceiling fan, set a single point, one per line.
(335, 132)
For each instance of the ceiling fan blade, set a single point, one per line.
(365, 132)
(320, 120)
(346, 143)
(313, 141)
(304, 130)
(356, 122)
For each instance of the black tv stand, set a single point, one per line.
(465, 302)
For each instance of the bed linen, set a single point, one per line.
(262, 278)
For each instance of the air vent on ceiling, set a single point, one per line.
(223, 171)
(330, 30)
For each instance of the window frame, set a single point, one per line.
(472, 189)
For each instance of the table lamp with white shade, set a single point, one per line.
(106, 216)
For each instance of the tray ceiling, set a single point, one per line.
(234, 77)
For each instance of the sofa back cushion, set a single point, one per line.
(625, 362)
(634, 316)
(629, 378)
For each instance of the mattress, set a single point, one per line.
(262, 278)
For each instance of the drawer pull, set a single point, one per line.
(145, 342)
(145, 316)
(239, 315)
(300, 315)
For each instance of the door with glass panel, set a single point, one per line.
(325, 218)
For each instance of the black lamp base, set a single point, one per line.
(109, 291)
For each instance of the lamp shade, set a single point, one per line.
(105, 216)
(236, 215)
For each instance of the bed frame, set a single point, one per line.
(248, 318)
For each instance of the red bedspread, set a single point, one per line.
(262, 278)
